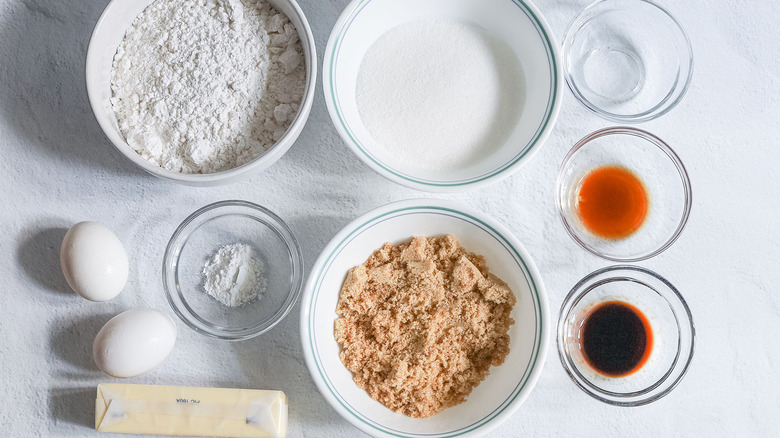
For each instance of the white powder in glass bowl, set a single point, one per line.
(234, 276)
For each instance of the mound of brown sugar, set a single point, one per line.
(421, 323)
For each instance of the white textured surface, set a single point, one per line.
(58, 169)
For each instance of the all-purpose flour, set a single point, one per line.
(201, 86)
(440, 94)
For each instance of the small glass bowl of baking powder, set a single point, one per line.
(232, 270)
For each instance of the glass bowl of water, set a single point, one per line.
(627, 60)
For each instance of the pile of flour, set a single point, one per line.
(234, 276)
(202, 86)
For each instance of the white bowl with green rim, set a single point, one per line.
(517, 23)
(505, 388)
(109, 33)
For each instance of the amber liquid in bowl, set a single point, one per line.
(612, 202)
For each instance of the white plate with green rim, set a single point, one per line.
(507, 386)
(517, 23)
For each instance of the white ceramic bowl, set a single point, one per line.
(507, 386)
(517, 23)
(109, 33)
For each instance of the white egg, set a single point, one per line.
(94, 261)
(134, 342)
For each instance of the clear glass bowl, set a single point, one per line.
(628, 61)
(199, 237)
(665, 179)
(669, 317)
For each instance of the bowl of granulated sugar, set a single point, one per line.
(443, 95)
(202, 93)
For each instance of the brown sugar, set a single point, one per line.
(421, 323)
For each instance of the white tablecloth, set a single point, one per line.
(57, 168)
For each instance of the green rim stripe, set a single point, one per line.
(549, 111)
(526, 272)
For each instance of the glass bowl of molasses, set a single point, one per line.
(625, 336)
(623, 194)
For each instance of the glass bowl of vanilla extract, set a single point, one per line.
(625, 336)
(623, 194)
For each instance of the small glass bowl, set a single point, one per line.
(199, 237)
(669, 317)
(628, 61)
(665, 180)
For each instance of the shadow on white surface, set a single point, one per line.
(73, 405)
(39, 256)
(45, 99)
(72, 344)
(314, 231)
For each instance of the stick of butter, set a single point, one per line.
(184, 411)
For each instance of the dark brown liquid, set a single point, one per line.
(616, 339)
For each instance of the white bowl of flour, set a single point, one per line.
(202, 92)
(443, 95)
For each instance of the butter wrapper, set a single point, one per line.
(185, 411)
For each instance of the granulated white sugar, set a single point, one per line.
(439, 94)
